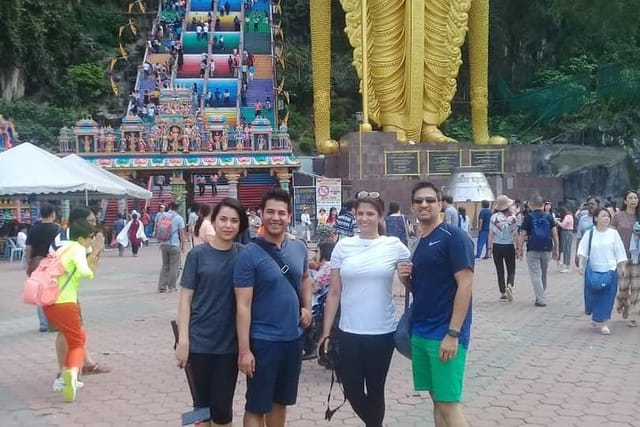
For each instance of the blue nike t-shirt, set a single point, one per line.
(438, 257)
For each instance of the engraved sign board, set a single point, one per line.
(442, 162)
(402, 163)
(490, 161)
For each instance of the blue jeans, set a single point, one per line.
(483, 239)
(44, 324)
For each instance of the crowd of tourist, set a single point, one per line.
(233, 276)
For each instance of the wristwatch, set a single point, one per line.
(453, 333)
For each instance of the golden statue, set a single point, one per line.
(410, 67)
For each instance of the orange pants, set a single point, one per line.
(66, 318)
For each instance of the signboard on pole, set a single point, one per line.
(328, 194)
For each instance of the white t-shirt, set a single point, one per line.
(607, 249)
(367, 268)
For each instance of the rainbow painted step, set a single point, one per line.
(191, 44)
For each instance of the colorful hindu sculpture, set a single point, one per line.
(408, 74)
(110, 140)
(86, 143)
(7, 133)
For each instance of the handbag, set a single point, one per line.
(402, 336)
(597, 281)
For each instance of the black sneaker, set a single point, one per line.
(503, 298)
(309, 355)
(540, 304)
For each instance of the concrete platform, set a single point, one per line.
(527, 365)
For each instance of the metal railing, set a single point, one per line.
(210, 35)
(154, 27)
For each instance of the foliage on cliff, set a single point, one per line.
(54, 53)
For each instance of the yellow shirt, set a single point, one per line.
(72, 256)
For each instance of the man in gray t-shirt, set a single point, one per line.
(585, 220)
(450, 211)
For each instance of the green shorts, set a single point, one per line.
(443, 379)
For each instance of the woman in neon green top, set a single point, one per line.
(65, 314)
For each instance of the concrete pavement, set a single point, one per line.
(526, 366)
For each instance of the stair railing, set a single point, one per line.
(174, 71)
(154, 27)
(210, 35)
(241, 54)
(274, 73)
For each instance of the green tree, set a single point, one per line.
(82, 84)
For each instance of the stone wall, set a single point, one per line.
(558, 173)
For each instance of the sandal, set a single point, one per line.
(95, 369)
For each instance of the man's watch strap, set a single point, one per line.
(453, 333)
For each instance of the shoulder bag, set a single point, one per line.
(594, 280)
(284, 268)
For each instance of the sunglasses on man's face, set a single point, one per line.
(365, 194)
(428, 199)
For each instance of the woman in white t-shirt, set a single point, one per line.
(603, 249)
(203, 231)
(362, 272)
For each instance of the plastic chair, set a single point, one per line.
(16, 253)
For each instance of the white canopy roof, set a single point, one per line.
(106, 182)
(27, 169)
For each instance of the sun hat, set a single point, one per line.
(502, 203)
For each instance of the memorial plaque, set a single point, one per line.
(441, 162)
(402, 163)
(491, 161)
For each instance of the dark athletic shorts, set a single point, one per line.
(215, 377)
(275, 380)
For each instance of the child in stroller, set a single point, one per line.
(321, 282)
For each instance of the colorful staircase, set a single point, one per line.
(253, 186)
(258, 43)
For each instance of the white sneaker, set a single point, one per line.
(510, 293)
(58, 384)
(605, 330)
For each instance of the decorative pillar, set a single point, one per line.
(283, 178)
(233, 177)
(65, 207)
(179, 191)
(122, 206)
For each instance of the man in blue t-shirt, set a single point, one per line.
(441, 281)
(171, 248)
(539, 230)
(272, 311)
(484, 219)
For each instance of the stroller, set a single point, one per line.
(313, 333)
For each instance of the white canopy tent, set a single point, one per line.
(107, 182)
(27, 169)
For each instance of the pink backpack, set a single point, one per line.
(41, 287)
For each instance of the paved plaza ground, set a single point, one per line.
(527, 365)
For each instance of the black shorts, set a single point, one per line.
(275, 380)
(215, 377)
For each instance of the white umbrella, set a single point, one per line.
(29, 170)
(106, 180)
